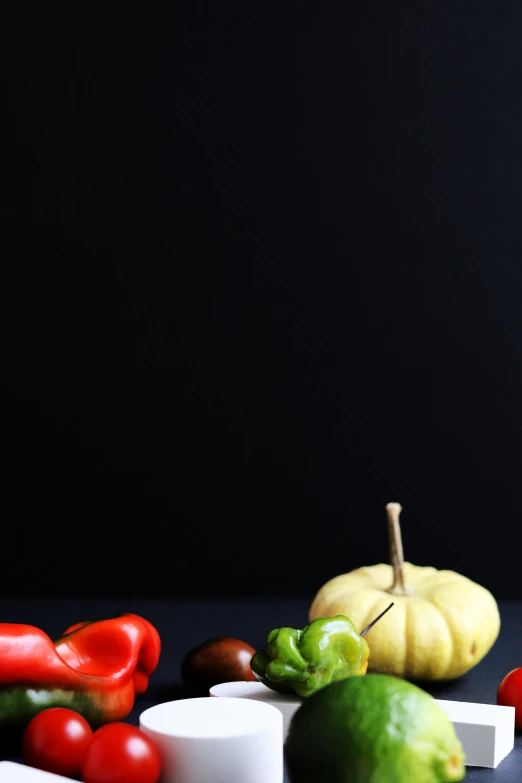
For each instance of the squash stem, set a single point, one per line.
(398, 587)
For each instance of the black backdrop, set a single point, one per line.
(261, 275)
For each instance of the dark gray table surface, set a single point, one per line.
(184, 624)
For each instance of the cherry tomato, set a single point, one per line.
(56, 740)
(509, 694)
(222, 659)
(120, 753)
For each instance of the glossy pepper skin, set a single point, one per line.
(96, 668)
(303, 661)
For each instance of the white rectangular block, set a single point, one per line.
(487, 731)
(19, 773)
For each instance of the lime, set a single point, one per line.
(373, 729)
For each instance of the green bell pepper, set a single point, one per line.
(302, 661)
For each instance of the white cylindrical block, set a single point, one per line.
(226, 740)
(287, 704)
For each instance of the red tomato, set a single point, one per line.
(509, 694)
(56, 740)
(120, 753)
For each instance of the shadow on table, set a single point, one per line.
(441, 689)
(157, 694)
(11, 742)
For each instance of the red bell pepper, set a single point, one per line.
(96, 668)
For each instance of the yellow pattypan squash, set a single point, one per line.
(441, 625)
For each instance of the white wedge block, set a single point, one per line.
(486, 731)
(19, 773)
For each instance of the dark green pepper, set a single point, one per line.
(302, 661)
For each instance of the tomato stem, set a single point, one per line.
(398, 587)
